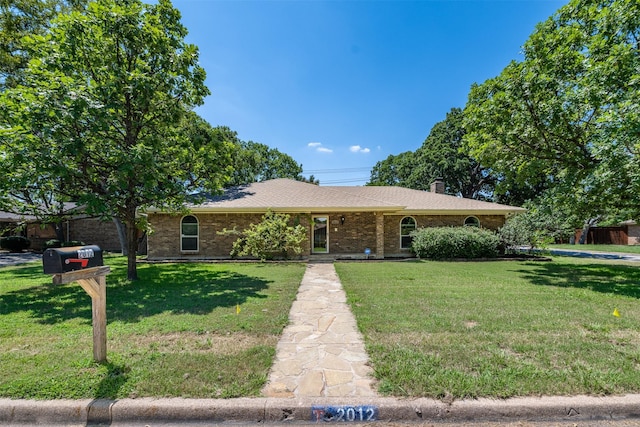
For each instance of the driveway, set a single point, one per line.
(8, 258)
(590, 254)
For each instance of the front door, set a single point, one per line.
(320, 235)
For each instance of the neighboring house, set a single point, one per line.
(626, 233)
(79, 227)
(342, 222)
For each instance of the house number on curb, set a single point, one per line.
(344, 413)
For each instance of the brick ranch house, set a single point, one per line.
(342, 222)
(88, 230)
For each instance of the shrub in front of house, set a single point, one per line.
(55, 243)
(71, 243)
(15, 243)
(455, 242)
(273, 238)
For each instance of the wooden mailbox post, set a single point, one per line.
(84, 265)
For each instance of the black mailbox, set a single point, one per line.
(64, 260)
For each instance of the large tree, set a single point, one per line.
(440, 156)
(20, 18)
(102, 108)
(394, 170)
(254, 162)
(568, 115)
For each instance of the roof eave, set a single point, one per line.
(503, 212)
(286, 209)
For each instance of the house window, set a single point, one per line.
(472, 221)
(407, 226)
(189, 234)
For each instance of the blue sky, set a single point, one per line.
(341, 85)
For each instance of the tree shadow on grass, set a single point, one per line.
(176, 288)
(621, 280)
(25, 270)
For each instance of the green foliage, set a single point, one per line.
(269, 239)
(20, 18)
(72, 243)
(566, 117)
(455, 242)
(53, 243)
(103, 115)
(255, 162)
(394, 170)
(536, 228)
(524, 230)
(440, 156)
(15, 243)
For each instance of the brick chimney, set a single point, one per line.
(437, 186)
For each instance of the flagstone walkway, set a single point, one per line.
(321, 352)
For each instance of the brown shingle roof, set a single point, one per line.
(295, 196)
(417, 200)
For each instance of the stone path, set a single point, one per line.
(321, 352)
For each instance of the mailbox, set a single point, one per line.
(64, 260)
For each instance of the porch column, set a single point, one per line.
(379, 235)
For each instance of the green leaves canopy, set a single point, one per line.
(20, 18)
(255, 162)
(568, 115)
(440, 156)
(104, 108)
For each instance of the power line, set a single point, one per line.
(343, 170)
(343, 181)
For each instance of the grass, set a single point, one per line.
(175, 332)
(601, 248)
(498, 329)
(432, 329)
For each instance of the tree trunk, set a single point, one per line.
(132, 245)
(585, 230)
(59, 228)
(122, 235)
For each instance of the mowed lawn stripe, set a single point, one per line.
(498, 329)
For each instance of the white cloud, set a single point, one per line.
(319, 148)
(359, 149)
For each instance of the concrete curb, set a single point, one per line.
(260, 410)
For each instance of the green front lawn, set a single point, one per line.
(175, 332)
(498, 329)
(436, 329)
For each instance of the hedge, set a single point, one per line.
(15, 243)
(455, 242)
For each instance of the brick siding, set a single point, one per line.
(92, 231)
(354, 236)
(164, 241)
(358, 232)
(392, 227)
